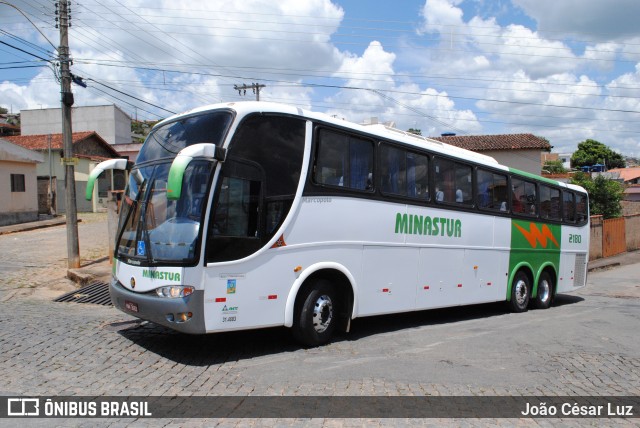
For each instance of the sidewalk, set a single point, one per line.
(93, 270)
(627, 258)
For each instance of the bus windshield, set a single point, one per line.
(154, 229)
(167, 140)
(170, 228)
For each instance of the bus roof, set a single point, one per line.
(243, 108)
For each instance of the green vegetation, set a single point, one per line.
(591, 152)
(604, 195)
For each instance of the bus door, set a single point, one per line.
(235, 231)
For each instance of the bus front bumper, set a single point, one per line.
(164, 311)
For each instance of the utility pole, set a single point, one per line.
(242, 90)
(73, 248)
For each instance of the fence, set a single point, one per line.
(614, 236)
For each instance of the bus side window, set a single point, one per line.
(549, 203)
(582, 208)
(492, 190)
(568, 207)
(523, 197)
(404, 173)
(453, 182)
(344, 161)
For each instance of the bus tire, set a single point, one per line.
(520, 292)
(545, 292)
(317, 315)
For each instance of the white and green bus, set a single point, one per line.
(249, 215)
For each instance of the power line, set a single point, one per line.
(131, 96)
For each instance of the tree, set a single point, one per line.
(604, 195)
(414, 131)
(591, 152)
(554, 167)
(3, 110)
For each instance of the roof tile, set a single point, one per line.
(480, 143)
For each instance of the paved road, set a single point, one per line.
(586, 344)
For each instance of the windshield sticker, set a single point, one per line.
(231, 286)
(141, 251)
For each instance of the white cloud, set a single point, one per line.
(406, 104)
(595, 20)
(210, 45)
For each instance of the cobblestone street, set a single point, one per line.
(585, 345)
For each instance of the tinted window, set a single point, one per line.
(453, 182)
(523, 198)
(169, 139)
(582, 208)
(549, 203)
(277, 145)
(568, 207)
(492, 190)
(404, 173)
(256, 187)
(344, 161)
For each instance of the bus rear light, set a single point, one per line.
(174, 291)
(272, 297)
(221, 299)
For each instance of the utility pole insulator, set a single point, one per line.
(254, 86)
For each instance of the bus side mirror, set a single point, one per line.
(99, 169)
(182, 161)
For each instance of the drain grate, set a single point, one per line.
(96, 293)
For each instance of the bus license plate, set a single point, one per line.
(130, 306)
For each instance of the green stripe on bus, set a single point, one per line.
(534, 176)
(534, 246)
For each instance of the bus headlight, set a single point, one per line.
(174, 291)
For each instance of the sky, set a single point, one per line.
(564, 70)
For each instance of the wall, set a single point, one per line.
(18, 207)
(109, 122)
(632, 230)
(595, 243)
(525, 160)
(630, 208)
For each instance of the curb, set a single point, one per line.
(24, 227)
(92, 271)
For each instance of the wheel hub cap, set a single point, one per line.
(521, 292)
(322, 313)
(543, 291)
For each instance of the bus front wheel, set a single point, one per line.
(545, 292)
(520, 292)
(317, 315)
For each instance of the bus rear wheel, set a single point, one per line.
(545, 292)
(520, 292)
(317, 315)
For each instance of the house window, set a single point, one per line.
(17, 183)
